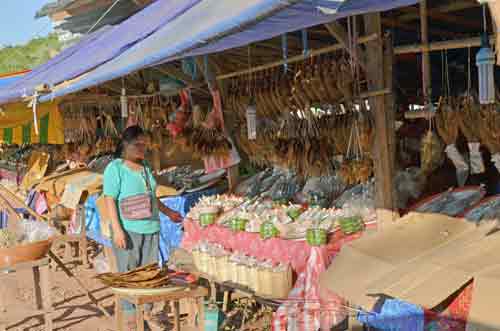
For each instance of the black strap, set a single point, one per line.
(146, 178)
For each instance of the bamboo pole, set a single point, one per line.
(399, 50)
(441, 45)
(298, 58)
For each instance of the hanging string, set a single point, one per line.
(448, 81)
(284, 46)
(485, 22)
(249, 74)
(469, 82)
(305, 42)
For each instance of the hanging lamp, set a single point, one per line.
(485, 62)
(124, 100)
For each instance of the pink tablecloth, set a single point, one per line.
(304, 310)
(294, 252)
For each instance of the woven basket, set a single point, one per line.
(275, 285)
(223, 269)
(243, 274)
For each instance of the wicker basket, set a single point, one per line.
(253, 275)
(243, 277)
(282, 283)
(233, 272)
(223, 269)
(273, 284)
(265, 285)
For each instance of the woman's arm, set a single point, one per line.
(118, 233)
(174, 216)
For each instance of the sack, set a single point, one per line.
(137, 207)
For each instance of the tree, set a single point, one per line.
(28, 56)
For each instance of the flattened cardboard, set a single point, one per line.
(70, 186)
(424, 274)
(483, 316)
(37, 167)
(358, 272)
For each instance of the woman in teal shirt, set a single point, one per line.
(135, 242)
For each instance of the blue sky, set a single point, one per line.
(17, 21)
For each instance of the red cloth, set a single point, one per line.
(294, 252)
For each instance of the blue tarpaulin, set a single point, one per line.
(222, 25)
(99, 47)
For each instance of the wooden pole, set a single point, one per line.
(399, 50)
(379, 75)
(426, 60)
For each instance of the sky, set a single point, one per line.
(17, 21)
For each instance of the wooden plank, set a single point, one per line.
(381, 106)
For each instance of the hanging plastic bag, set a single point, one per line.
(462, 168)
(476, 159)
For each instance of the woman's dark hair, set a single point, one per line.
(130, 135)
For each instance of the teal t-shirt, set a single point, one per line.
(121, 182)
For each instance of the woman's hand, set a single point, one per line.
(119, 238)
(174, 216)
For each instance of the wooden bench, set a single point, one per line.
(170, 294)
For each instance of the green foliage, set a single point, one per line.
(30, 55)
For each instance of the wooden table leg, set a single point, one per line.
(227, 301)
(139, 317)
(47, 298)
(177, 319)
(38, 304)
(201, 314)
(118, 314)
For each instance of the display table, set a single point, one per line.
(294, 252)
(304, 307)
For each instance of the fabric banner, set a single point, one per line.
(50, 125)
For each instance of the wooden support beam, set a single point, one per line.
(394, 23)
(441, 45)
(453, 6)
(445, 17)
(379, 76)
(340, 34)
(426, 59)
(298, 58)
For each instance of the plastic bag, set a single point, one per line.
(408, 185)
(462, 168)
(495, 158)
(476, 159)
(101, 264)
(321, 190)
(33, 231)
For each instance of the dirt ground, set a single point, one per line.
(73, 309)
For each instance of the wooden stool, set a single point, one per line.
(173, 294)
(41, 277)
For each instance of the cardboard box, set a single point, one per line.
(70, 186)
(424, 259)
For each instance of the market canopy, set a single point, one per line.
(10, 78)
(97, 48)
(221, 25)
